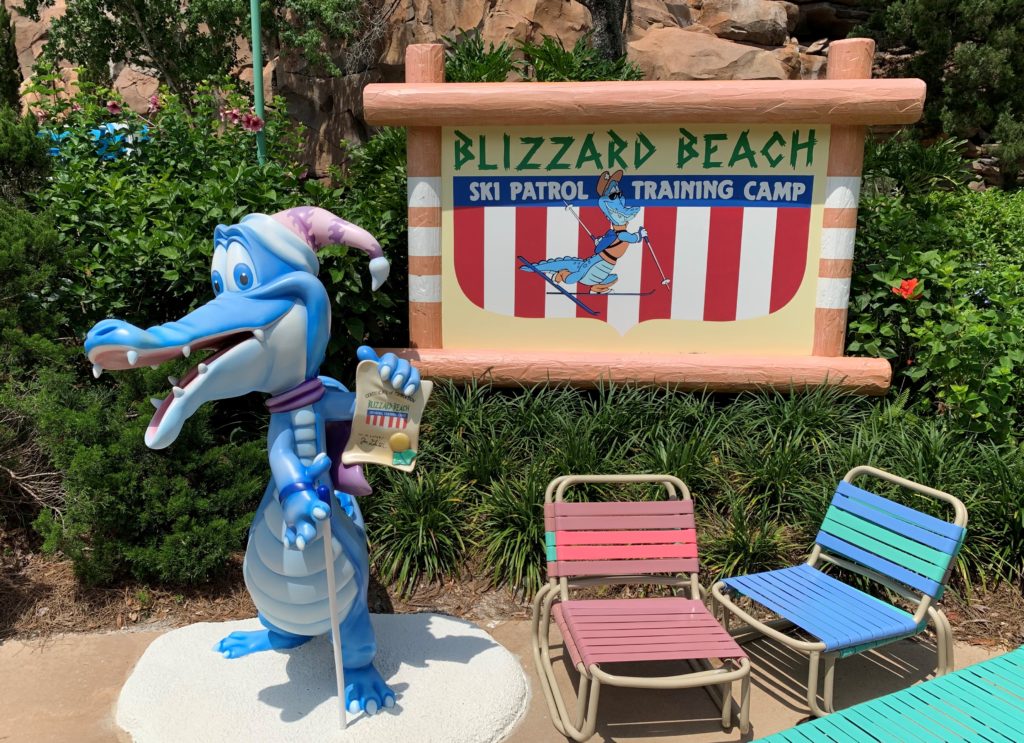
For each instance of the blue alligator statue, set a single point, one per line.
(596, 271)
(268, 325)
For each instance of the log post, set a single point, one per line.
(424, 63)
(847, 60)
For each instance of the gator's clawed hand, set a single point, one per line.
(399, 373)
(303, 508)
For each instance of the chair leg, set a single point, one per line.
(582, 692)
(812, 684)
(943, 641)
(830, 677)
(726, 692)
(745, 704)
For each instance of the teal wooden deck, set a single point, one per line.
(983, 702)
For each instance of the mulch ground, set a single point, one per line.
(40, 596)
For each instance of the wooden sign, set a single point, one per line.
(703, 239)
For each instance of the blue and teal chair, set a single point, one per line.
(908, 552)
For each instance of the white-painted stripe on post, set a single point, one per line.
(425, 241)
(757, 261)
(562, 238)
(499, 259)
(624, 310)
(693, 228)
(424, 288)
(837, 242)
(842, 192)
(833, 294)
(425, 191)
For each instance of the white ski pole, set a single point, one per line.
(332, 602)
(665, 281)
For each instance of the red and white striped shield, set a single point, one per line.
(724, 263)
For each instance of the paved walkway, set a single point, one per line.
(64, 689)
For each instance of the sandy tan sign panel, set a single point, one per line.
(558, 231)
(685, 238)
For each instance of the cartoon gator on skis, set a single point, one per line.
(269, 324)
(596, 271)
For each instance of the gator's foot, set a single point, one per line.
(239, 644)
(366, 690)
(603, 288)
(560, 276)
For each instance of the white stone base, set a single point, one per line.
(453, 683)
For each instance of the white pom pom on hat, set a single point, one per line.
(306, 229)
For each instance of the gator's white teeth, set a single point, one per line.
(156, 402)
(178, 391)
(97, 370)
(173, 381)
(186, 351)
(133, 356)
(202, 368)
(259, 335)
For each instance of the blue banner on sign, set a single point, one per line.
(638, 190)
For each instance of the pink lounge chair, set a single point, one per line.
(620, 543)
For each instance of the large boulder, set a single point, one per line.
(648, 14)
(752, 21)
(679, 54)
(425, 21)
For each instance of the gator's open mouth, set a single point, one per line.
(221, 343)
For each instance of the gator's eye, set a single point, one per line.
(218, 283)
(243, 276)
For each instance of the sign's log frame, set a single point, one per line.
(829, 101)
(847, 100)
(690, 371)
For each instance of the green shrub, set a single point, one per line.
(417, 532)
(173, 517)
(968, 54)
(466, 60)
(762, 467)
(142, 222)
(23, 159)
(10, 70)
(550, 61)
(956, 335)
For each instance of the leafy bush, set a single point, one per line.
(967, 53)
(188, 43)
(23, 159)
(143, 220)
(938, 288)
(466, 60)
(10, 71)
(418, 532)
(762, 467)
(175, 517)
(550, 61)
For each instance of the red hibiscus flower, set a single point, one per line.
(907, 289)
(114, 107)
(252, 123)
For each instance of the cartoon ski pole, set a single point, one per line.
(572, 211)
(332, 601)
(665, 281)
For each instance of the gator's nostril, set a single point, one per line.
(105, 331)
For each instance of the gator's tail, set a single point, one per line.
(556, 264)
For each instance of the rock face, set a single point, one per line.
(754, 21)
(677, 54)
(668, 39)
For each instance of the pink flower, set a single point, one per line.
(154, 104)
(252, 122)
(40, 115)
(76, 107)
(231, 115)
(114, 107)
